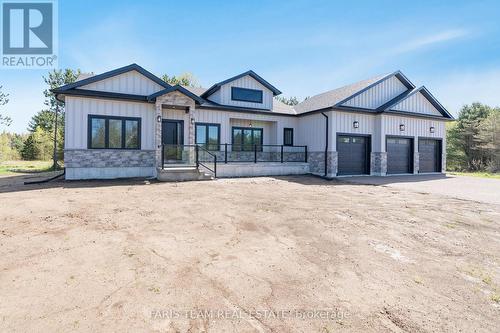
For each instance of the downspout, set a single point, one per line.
(326, 144)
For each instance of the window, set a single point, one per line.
(246, 95)
(288, 136)
(244, 139)
(106, 132)
(208, 135)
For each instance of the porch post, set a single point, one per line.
(191, 138)
(158, 142)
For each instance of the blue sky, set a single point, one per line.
(301, 47)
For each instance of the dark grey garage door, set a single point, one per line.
(399, 155)
(353, 155)
(429, 155)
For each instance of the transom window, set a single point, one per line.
(246, 95)
(109, 132)
(246, 138)
(288, 136)
(208, 135)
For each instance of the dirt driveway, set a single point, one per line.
(219, 256)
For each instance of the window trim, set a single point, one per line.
(206, 135)
(106, 131)
(248, 128)
(244, 100)
(285, 129)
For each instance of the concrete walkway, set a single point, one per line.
(461, 187)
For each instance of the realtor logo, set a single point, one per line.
(28, 34)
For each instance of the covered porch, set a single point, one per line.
(222, 144)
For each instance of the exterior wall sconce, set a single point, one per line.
(158, 118)
(192, 121)
(402, 127)
(431, 129)
(355, 124)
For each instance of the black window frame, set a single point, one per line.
(287, 129)
(106, 131)
(206, 145)
(259, 145)
(259, 101)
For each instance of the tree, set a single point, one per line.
(38, 146)
(55, 79)
(466, 135)
(5, 120)
(185, 79)
(45, 119)
(489, 138)
(42, 126)
(288, 100)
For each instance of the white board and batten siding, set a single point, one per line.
(132, 82)
(378, 95)
(272, 125)
(417, 103)
(223, 95)
(76, 119)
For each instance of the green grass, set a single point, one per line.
(12, 167)
(477, 174)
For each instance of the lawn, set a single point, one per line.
(12, 167)
(477, 174)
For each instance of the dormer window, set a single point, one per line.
(246, 95)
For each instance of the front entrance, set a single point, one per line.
(172, 136)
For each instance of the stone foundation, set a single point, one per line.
(378, 165)
(108, 158)
(316, 162)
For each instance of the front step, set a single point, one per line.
(181, 174)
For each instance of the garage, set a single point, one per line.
(399, 155)
(429, 155)
(353, 154)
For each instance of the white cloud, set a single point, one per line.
(440, 37)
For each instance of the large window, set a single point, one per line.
(246, 95)
(246, 138)
(208, 135)
(106, 132)
(288, 136)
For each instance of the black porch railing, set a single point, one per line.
(188, 155)
(230, 153)
(207, 156)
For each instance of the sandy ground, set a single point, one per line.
(220, 256)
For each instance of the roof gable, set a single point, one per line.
(418, 101)
(251, 73)
(377, 94)
(178, 88)
(88, 82)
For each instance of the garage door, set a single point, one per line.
(429, 155)
(353, 155)
(399, 155)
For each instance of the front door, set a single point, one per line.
(172, 138)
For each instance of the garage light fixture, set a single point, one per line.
(158, 118)
(402, 127)
(431, 129)
(355, 124)
(192, 121)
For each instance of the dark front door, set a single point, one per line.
(172, 138)
(399, 155)
(429, 151)
(353, 155)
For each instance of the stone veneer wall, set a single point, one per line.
(108, 158)
(416, 162)
(378, 165)
(317, 163)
